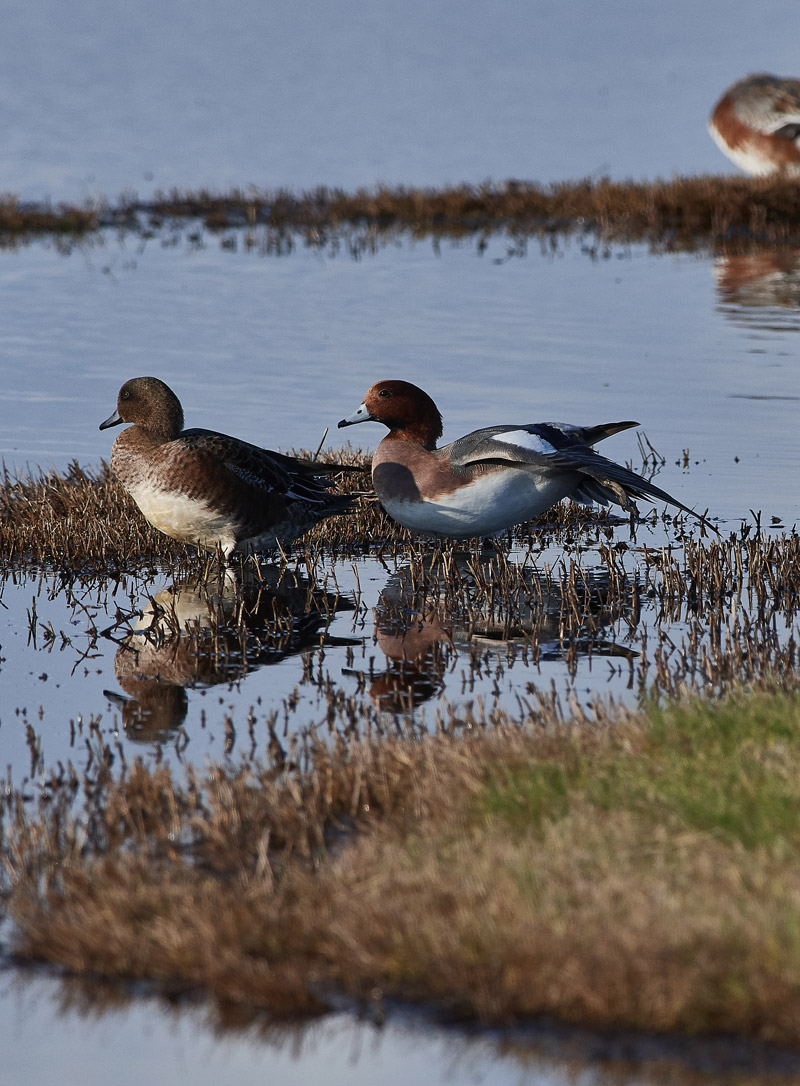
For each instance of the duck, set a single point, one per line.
(756, 123)
(207, 489)
(493, 478)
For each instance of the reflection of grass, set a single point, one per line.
(680, 212)
(645, 873)
(25, 220)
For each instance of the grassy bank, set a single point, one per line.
(640, 872)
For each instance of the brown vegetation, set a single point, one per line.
(640, 875)
(82, 519)
(680, 213)
(22, 220)
(727, 598)
(73, 521)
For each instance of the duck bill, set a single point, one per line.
(362, 415)
(112, 420)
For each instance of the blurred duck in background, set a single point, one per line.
(756, 123)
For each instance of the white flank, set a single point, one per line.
(489, 504)
(184, 518)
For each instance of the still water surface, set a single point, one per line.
(98, 99)
(275, 350)
(43, 1028)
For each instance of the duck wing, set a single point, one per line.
(266, 471)
(589, 435)
(561, 448)
(527, 443)
(605, 481)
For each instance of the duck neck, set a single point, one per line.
(167, 422)
(425, 430)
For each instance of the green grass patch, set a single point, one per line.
(730, 767)
(526, 796)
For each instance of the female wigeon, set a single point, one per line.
(493, 478)
(207, 489)
(756, 124)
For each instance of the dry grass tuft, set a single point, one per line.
(641, 875)
(83, 520)
(26, 220)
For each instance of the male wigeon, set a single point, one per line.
(756, 123)
(208, 489)
(493, 478)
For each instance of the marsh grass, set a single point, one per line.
(731, 600)
(24, 220)
(73, 521)
(682, 213)
(637, 871)
(607, 868)
(81, 519)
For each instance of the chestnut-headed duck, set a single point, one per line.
(756, 123)
(493, 478)
(208, 489)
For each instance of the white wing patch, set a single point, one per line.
(526, 440)
(778, 122)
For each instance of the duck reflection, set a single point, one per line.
(203, 631)
(432, 614)
(418, 648)
(760, 279)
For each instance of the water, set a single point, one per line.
(40, 1045)
(277, 349)
(98, 100)
(43, 1024)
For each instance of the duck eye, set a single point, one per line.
(126, 395)
(384, 392)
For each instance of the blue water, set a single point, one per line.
(101, 98)
(277, 350)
